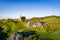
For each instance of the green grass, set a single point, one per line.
(50, 32)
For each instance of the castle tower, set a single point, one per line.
(19, 18)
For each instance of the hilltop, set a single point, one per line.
(50, 30)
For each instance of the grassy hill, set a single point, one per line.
(49, 32)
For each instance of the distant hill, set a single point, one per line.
(47, 18)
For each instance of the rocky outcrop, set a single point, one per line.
(33, 23)
(21, 35)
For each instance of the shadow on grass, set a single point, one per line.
(28, 35)
(3, 35)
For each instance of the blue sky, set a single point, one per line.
(29, 8)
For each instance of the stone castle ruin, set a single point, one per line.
(22, 18)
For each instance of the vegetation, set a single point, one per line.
(49, 32)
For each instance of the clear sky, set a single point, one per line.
(29, 8)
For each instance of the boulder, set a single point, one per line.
(16, 36)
